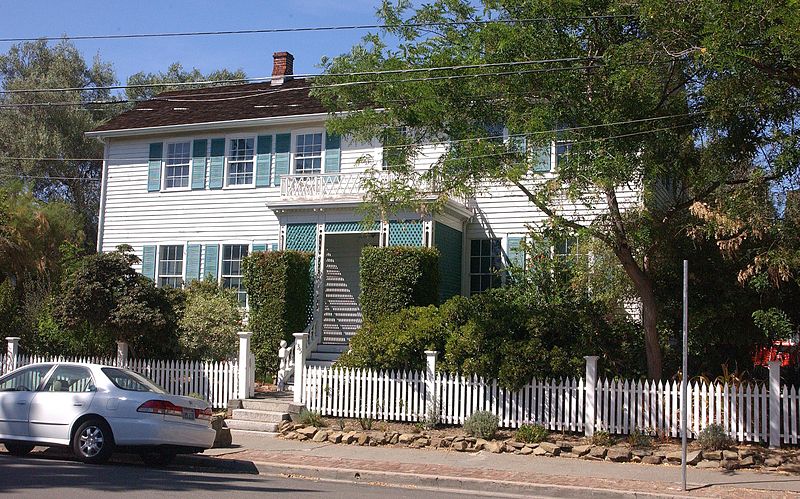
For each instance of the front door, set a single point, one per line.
(16, 393)
(65, 396)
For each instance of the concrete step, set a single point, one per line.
(239, 424)
(278, 405)
(319, 363)
(331, 356)
(331, 347)
(261, 416)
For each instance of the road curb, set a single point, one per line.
(431, 482)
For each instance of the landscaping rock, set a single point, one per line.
(458, 439)
(581, 450)
(223, 438)
(652, 459)
(550, 448)
(420, 443)
(302, 437)
(730, 465)
(708, 464)
(407, 438)
(362, 439)
(598, 452)
(526, 451)
(618, 454)
(350, 438)
(291, 435)
(641, 452)
(773, 462)
(335, 437)
(692, 457)
(446, 442)
(747, 462)
(470, 440)
(729, 454)
(480, 444)
(564, 445)
(308, 431)
(539, 451)
(712, 455)
(745, 453)
(495, 447)
(459, 446)
(515, 444)
(320, 436)
(394, 438)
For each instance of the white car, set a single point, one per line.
(94, 409)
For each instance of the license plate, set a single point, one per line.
(188, 413)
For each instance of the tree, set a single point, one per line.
(139, 84)
(210, 321)
(56, 131)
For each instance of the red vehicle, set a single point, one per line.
(785, 351)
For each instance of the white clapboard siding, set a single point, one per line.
(217, 382)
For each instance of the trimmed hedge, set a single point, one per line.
(397, 277)
(279, 290)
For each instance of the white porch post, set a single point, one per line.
(122, 352)
(591, 395)
(244, 364)
(12, 352)
(774, 404)
(300, 340)
(430, 380)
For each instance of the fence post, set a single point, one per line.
(12, 352)
(590, 386)
(244, 364)
(430, 380)
(299, 365)
(774, 404)
(122, 352)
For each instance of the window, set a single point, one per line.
(485, 264)
(170, 266)
(70, 379)
(131, 381)
(308, 154)
(232, 255)
(177, 165)
(240, 161)
(25, 380)
(563, 152)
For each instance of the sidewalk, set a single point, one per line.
(495, 473)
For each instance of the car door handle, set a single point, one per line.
(78, 404)
(21, 402)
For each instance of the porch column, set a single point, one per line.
(12, 352)
(774, 404)
(244, 364)
(122, 352)
(591, 395)
(430, 381)
(300, 340)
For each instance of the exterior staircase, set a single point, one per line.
(262, 414)
(325, 354)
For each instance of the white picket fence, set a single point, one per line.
(620, 406)
(217, 382)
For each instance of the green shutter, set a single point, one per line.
(518, 144)
(216, 172)
(264, 161)
(149, 262)
(542, 159)
(259, 247)
(154, 167)
(283, 143)
(192, 262)
(274, 247)
(211, 267)
(199, 149)
(516, 254)
(333, 153)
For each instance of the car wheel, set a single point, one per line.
(93, 442)
(157, 459)
(18, 448)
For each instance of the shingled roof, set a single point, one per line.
(222, 103)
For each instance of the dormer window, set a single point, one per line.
(308, 154)
(240, 161)
(176, 166)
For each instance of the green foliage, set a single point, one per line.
(714, 437)
(774, 323)
(8, 309)
(603, 439)
(531, 433)
(311, 418)
(279, 291)
(397, 341)
(175, 74)
(394, 278)
(481, 424)
(639, 439)
(210, 320)
(365, 423)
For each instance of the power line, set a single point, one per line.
(315, 28)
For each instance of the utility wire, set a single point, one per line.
(314, 28)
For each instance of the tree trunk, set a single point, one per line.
(644, 288)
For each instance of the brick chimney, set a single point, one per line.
(282, 67)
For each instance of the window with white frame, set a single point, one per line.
(170, 266)
(308, 153)
(232, 255)
(176, 166)
(485, 265)
(240, 161)
(563, 151)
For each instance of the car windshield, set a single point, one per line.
(129, 380)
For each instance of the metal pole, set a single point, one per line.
(684, 372)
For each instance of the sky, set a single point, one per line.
(253, 53)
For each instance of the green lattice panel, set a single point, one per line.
(407, 233)
(301, 237)
(449, 243)
(336, 227)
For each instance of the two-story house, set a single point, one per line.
(196, 179)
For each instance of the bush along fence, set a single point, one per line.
(217, 382)
(766, 413)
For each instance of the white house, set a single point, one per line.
(196, 179)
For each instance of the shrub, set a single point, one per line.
(481, 424)
(639, 439)
(531, 433)
(714, 437)
(311, 418)
(397, 277)
(209, 323)
(279, 291)
(603, 439)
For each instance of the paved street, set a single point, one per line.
(48, 477)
